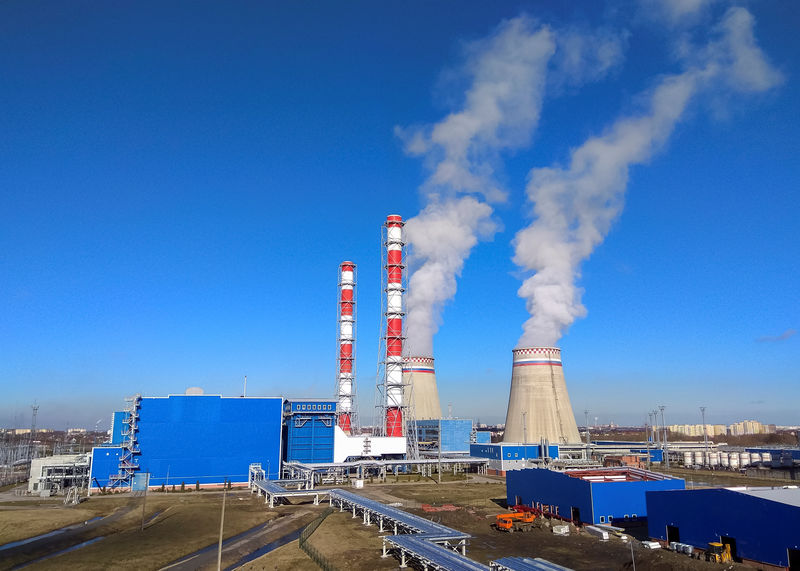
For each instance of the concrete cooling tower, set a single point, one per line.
(538, 406)
(419, 381)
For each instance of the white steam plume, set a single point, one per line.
(574, 206)
(508, 76)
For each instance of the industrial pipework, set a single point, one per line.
(345, 375)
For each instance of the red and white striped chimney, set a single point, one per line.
(346, 371)
(394, 325)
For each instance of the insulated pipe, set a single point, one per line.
(346, 377)
(394, 325)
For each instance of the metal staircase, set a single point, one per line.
(128, 463)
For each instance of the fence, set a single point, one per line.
(315, 555)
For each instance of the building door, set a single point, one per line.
(794, 559)
(576, 514)
(725, 540)
(673, 533)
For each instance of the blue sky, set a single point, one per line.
(179, 183)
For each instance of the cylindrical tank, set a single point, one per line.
(419, 378)
(724, 459)
(766, 457)
(698, 458)
(713, 459)
(744, 459)
(687, 459)
(734, 460)
(538, 403)
(755, 457)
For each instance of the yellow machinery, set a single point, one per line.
(718, 553)
(514, 521)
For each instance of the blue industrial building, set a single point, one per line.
(503, 457)
(117, 427)
(455, 433)
(760, 524)
(601, 495)
(483, 437)
(191, 439)
(309, 430)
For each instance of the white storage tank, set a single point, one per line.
(744, 459)
(698, 458)
(687, 458)
(734, 460)
(724, 459)
(755, 457)
(766, 457)
(713, 459)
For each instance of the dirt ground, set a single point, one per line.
(176, 525)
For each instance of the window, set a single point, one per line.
(626, 516)
(602, 519)
(313, 407)
(610, 518)
(634, 516)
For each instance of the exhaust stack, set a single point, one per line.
(345, 376)
(393, 380)
(538, 406)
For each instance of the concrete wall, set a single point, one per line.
(763, 529)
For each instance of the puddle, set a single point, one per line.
(48, 534)
(62, 552)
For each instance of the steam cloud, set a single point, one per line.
(508, 76)
(574, 206)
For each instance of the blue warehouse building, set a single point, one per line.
(600, 495)
(191, 439)
(503, 457)
(309, 430)
(760, 524)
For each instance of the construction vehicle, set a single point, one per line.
(718, 553)
(514, 522)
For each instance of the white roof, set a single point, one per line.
(789, 495)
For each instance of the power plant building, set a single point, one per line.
(538, 403)
(597, 495)
(191, 439)
(760, 524)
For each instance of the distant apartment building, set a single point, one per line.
(697, 429)
(742, 428)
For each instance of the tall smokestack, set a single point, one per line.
(345, 377)
(394, 325)
(419, 378)
(538, 406)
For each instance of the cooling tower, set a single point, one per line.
(419, 381)
(538, 406)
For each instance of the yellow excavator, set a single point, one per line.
(718, 553)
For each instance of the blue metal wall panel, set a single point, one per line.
(549, 488)
(483, 437)
(620, 499)
(309, 431)
(105, 462)
(763, 529)
(117, 427)
(455, 433)
(208, 438)
(491, 451)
